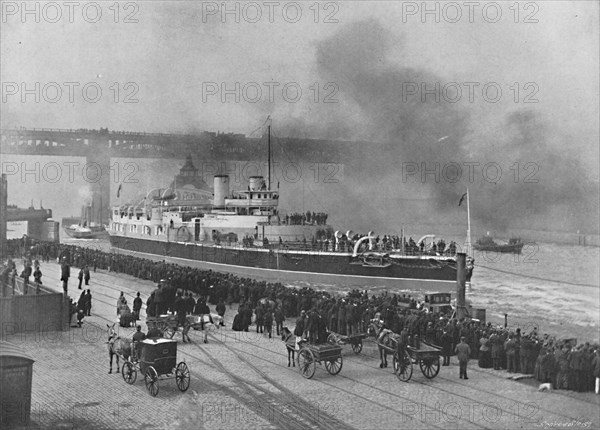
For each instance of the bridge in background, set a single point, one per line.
(99, 146)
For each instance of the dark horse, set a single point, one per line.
(117, 346)
(290, 344)
(387, 341)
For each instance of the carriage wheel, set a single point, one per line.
(334, 367)
(403, 368)
(182, 377)
(357, 347)
(129, 373)
(306, 363)
(169, 332)
(430, 367)
(151, 379)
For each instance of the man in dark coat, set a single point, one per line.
(201, 308)
(260, 312)
(137, 306)
(341, 322)
(65, 273)
(221, 311)
(446, 342)
(279, 319)
(180, 308)
(463, 352)
(312, 326)
(150, 306)
(300, 323)
(88, 304)
(153, 332)
(268, 320)
(86, 274)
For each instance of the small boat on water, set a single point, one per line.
(487, 243)
(85, 228)
(77, 231)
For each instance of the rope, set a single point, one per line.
(538, 278)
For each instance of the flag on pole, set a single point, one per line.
(462, 198)
(119, 190)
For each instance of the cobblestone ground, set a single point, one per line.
(241, 380)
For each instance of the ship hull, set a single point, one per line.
(405, 273)
(78, 234)
(512, 249)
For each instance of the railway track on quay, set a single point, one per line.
(380, 395)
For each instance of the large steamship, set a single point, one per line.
(243, 232)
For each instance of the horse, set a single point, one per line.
(292, 343)
(375, 326)
(206, 323)
(385, 339)
(117, 346)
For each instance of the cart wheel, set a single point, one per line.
(357, 347)
(129, 373)
(151, 379)
(170, 332)
(306, 363)
(403, 368)
(430, 367)
(182, 377)
(334, 367)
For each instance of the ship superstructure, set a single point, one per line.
(244, 232)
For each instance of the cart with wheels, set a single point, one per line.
(427, 356)
(157, 360)
(326, 353)
(167, 324)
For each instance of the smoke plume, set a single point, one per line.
(542, 184)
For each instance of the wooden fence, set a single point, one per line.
(31, 308)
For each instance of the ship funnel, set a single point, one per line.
(221, 189)
(256, 183)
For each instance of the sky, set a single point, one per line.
(354, 70)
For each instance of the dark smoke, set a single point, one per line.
(410, 130)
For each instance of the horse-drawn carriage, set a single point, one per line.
(354, 340)
(311, 354)
(166, 324)
(169, 324)
(157, 358)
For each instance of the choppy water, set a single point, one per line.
(553, 287)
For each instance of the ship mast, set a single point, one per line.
(269, 152)
(469, 249)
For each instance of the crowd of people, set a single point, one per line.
(317, 218)
(564, 363)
